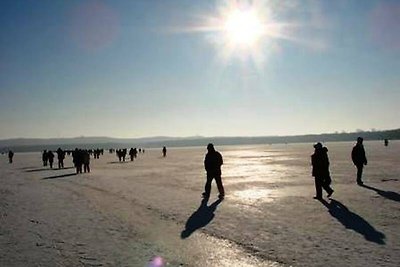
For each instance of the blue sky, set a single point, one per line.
(135, 68)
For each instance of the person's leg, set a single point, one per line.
(326, 186)
(318, 188)
(359, 174)
(207, 187)
(220, 186)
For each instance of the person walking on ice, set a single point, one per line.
(359, 159)
(320, 171)
(212, 163)
(10, 156)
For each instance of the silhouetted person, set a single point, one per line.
(45, 158)
(124, 152)
(50, 155)
(86, 161)
(320, 171)
(10, 156)
(60, 157)
(164, 152)
(135, 152)
(97, 153)
(359, 159)
(77, 160)
(386, 142)
(212, 164)
(131, 153)
(119, 154)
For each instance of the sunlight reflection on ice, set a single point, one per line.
(156, 262)
(251, 196)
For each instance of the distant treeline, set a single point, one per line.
(32, 145)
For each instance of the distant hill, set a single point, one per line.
(32, 144)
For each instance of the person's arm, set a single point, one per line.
(365, 157)
(353, 155)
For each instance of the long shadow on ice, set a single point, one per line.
(353, 221)
(387, 194)
(27, 168)
(59, 176)
(200, 218)
(49, 169)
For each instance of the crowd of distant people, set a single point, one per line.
(212, 163)
(80, 158)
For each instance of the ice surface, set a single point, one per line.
(150, 211)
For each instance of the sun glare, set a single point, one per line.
(243, 27)
(247, 30)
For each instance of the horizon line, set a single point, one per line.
(201, 136)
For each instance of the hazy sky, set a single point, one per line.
(145, 68)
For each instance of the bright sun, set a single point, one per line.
(243, 28)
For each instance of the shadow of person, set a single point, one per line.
(59, 176)
(200, 218)
(48, 169)
(386, 194)
(353, 221)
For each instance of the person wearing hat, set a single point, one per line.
(359, 159)
(212, 164)
(320, 171)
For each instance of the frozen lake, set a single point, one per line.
(125, 214)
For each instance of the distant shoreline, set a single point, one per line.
(33, 145)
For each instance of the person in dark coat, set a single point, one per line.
(212, 163)
(124, 152)
(386, 142)
(320, 171)
(50, 155)
(10, 156)
(86, 161)
(359, 159)
(131, 153)
(77, 160)
(60, 157)
(164, 152)
(119, 154)
(45, 158)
